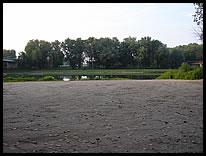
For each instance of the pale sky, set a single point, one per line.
(170, 23)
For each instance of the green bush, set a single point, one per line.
(19, 79)
(185, 68)
(198, 72)
(180, 75)
(185, 72)
(29, 79)
(47, 78)
(97, 78)
(168, 75)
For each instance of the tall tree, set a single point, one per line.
(176, 57)
(31, 50)
(68, 49)
(74, 50)
(37, 52)
(145, 52)
(90, 50)
(23, 61)
(45, 48)
(108, 52)
(79, 49)
(128, 52)
(56, 55)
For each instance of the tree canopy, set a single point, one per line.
(107, 53)
(9, 53)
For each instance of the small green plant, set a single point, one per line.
(97, 78)
(47, 78)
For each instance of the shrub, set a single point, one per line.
(97, 78)
(167, 75)
(29, 79)
(185, 72)
(47, 78)
(185, 68)
(19, 79)
(198, 72)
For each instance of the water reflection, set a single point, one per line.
(93, 77)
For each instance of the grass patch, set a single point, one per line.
(19, 79)
(89, 72)
(25, 79)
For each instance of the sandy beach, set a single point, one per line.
(122, 116)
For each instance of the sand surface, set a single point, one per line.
(126, 116)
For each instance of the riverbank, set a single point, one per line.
(88, 72)
(148, 116)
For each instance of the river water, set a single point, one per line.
(92, 77)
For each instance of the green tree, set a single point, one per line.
(79, 49)
(9, 53)
(68, 49)
(74, 50)
(31, 50)
(109, 49)
(151, 53)
(90, 51)
(145, 52)
(56, 55)
(37, 53)
(176, 57)
(128, 52)
(45, 48)
(159, 55)
(23, 60)
(192, 51)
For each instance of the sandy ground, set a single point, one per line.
(148, 116)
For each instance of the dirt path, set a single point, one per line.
(103, 116)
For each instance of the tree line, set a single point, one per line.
(106, 53)
(9, 53)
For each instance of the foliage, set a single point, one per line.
(185, 72)
(198, 18)
(9, 53)
(73, 51)
(168, 75)
(192, 51)
(55, 55)
(19, 79)
(24, 79)
(107, 53)
(47, 78)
